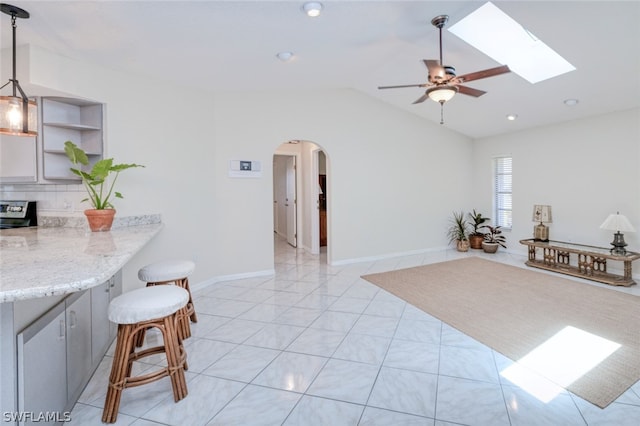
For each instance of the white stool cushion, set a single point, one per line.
(147, 303)
(168, 270)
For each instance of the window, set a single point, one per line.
(502, 198)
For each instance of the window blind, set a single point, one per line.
(503, 191)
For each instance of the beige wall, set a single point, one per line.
(394, 178)
(392, 185)
(585, 169)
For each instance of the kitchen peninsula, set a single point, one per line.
(55, 287)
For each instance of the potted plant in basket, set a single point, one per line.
(476, 236)
(458, 231)
(493, 238)
(98, 188)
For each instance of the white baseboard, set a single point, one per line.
(206, 283)
(386, 256)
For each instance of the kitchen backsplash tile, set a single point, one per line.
(54, 198)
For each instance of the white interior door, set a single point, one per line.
(291, 201)
(279, 195)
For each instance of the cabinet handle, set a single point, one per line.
(62, 329)
(73, 319)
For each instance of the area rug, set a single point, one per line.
(521, 313)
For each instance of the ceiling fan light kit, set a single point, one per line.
(442, 94)
(443, 83)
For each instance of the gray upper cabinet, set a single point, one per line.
(42, 159)
(64, 119)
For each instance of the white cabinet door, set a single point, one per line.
(18, 162)
(42, 372)
(100, 328)
(79, 361)
(103, 331)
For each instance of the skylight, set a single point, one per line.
(509, 43)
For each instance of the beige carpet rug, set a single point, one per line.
(522, 313)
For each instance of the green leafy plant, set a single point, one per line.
(477, 221)
(458, 228)
(494, 235)
(95, 182)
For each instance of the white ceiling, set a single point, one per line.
(232, 45)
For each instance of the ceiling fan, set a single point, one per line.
(443, 83)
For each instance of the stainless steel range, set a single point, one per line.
(18, 214)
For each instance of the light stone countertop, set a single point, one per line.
(47, 261)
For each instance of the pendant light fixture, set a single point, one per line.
(18, 115)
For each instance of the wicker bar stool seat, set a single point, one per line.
(173, 272)
(134, 312)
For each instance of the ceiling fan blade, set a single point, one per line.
(470, 91)
(421, 99)
(484, 74)
(436, 71)
(401, 86)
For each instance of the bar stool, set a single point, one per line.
(168, 272)
(134, 312)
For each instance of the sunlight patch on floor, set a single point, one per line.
(564, 358)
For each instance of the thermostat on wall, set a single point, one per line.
(245, 168)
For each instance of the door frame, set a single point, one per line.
(315, 208)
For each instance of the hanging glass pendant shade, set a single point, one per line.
(18, 114)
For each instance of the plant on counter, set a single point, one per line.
(458, 231)
(476, 236)
(95, 181)
(493, 238)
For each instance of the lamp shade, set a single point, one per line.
(442, 94)
(12, 119)
(542, 213)
(617, 222)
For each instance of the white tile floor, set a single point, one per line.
(317, 345)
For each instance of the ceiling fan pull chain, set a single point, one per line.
(441, 112)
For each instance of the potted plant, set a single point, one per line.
(476, 236)
(458, 231)
(98, 188)
(493, 238)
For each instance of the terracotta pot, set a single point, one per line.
(462, 245)
(475, 241)
(100, 220)
(490, 247)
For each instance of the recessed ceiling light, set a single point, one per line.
(500, 37)
(512, 117)
(312, 8)
(284, 56)
(571, 102)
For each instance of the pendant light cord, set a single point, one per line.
(13, 27)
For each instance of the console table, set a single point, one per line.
(579, 260)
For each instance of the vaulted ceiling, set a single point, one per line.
(232, 45)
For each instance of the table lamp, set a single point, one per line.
(541, 214)
(617, 222)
